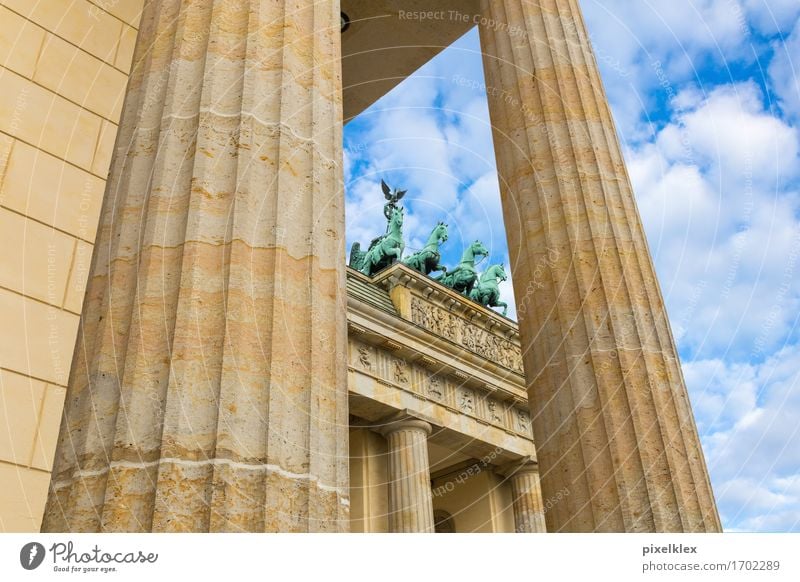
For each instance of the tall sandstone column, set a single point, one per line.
(611, 416)
(410, 498)
(208, 390)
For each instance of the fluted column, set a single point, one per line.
(526, 498)
(410, 499)
(208, 390)
(611, 415)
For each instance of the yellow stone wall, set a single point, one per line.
(478, 501)
(369, 477)
(63, 69)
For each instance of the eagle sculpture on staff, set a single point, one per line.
(393, 198)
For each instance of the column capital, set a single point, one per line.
(406, 424)
(403, 420)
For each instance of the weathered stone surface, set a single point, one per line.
(208, 389)
(611, 415)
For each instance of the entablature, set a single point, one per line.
(420, 354)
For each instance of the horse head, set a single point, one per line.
(397, 216)
(440, 232)
(498, 271)
(493, 273)
(477, 248)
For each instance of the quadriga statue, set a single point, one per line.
(463, 277)
(427, 260)
(487, 291)
(382, 251)
(387, 248)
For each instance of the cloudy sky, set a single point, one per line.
(707, 104)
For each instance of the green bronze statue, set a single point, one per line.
(428, 258)
(382, 251)
(385, 249)
(388, 248)
(487, 291)
(392, 197)
(463, 277)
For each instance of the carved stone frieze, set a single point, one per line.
(400, 371)
(469, 335)
(523, 421)
(466, 401)
(364, 357)
(448, 389)
(494, 412)
(435, 387)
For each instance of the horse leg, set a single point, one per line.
(368, 265)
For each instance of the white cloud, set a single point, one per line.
(772, 16)
(722, 393)
(715, 193)
(648, 50)
(717, 190)
(731, 132)
(752, 437)
(784, 72)
(479, 215)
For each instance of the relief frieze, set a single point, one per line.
(435, 387)
(364, 357)
(464, 333)
(427, 384)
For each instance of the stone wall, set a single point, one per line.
(63, 69)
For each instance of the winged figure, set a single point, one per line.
(393, 198)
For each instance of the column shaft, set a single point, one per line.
(208, 390)
(610, 411)
(410, 499)
(527, 499)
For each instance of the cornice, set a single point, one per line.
(444, 297)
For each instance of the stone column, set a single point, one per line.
(410, 499)
(527, 498)
(610, 411)
(208, 390)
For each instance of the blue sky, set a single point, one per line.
(706, 100)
